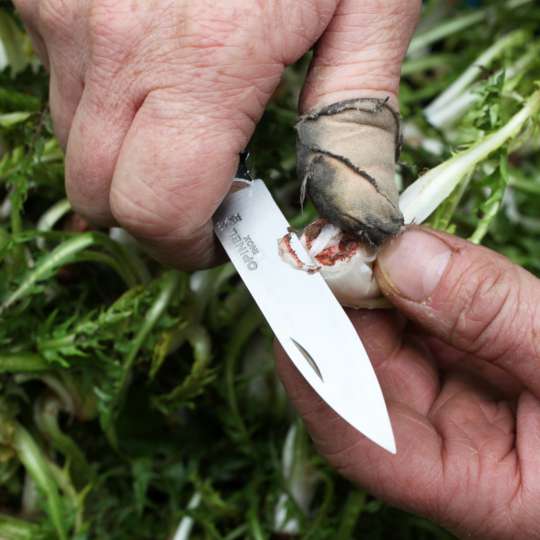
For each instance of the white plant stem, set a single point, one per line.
(301, 482)
(445, 114)
(447, 98)
(414, 137)
(186, 524)
(422, 197)
(50, 218)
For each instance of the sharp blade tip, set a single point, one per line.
(382, 437)
(390, 446)
(388, 443)
(389, 440)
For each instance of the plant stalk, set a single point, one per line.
(422, 197)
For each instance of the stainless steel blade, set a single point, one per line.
(302, 311)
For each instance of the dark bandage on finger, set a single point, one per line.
(346, 159)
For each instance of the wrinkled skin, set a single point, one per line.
(459, 367)
(154, 100)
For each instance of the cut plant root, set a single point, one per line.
(290, 256)
(343, 259)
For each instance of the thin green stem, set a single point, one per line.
(243, 331)
(446, 29)
(239, 532)
(415, 65)
(53, 214)
(443, 216)
(18, 529)
(255, 528)
(349, 517)
(130, 257)
(491, 206)
(105, 259)
(18, 254)
(62, 254)
(526, 186)
(23, 362)
(199, 339)
(126, 258)
(170, 284)
(69, 251)
(37, 466)
(76, 499)
(46, 417)
(324, 508)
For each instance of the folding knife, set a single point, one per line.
(302, 311)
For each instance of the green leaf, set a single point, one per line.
(496, 185)
(142, 472)
(8, 120)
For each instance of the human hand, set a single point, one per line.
(153, 101)
(462, 382)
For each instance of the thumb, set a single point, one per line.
(348, 137)
(470, 297)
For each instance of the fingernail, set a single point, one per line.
(413, 264)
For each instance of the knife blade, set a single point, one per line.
(302, 311)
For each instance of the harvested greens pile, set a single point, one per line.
(138, 402)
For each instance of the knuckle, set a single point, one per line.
(151, 218)
(162, 189)
(90, 160)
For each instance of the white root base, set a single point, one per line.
(343, 261)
